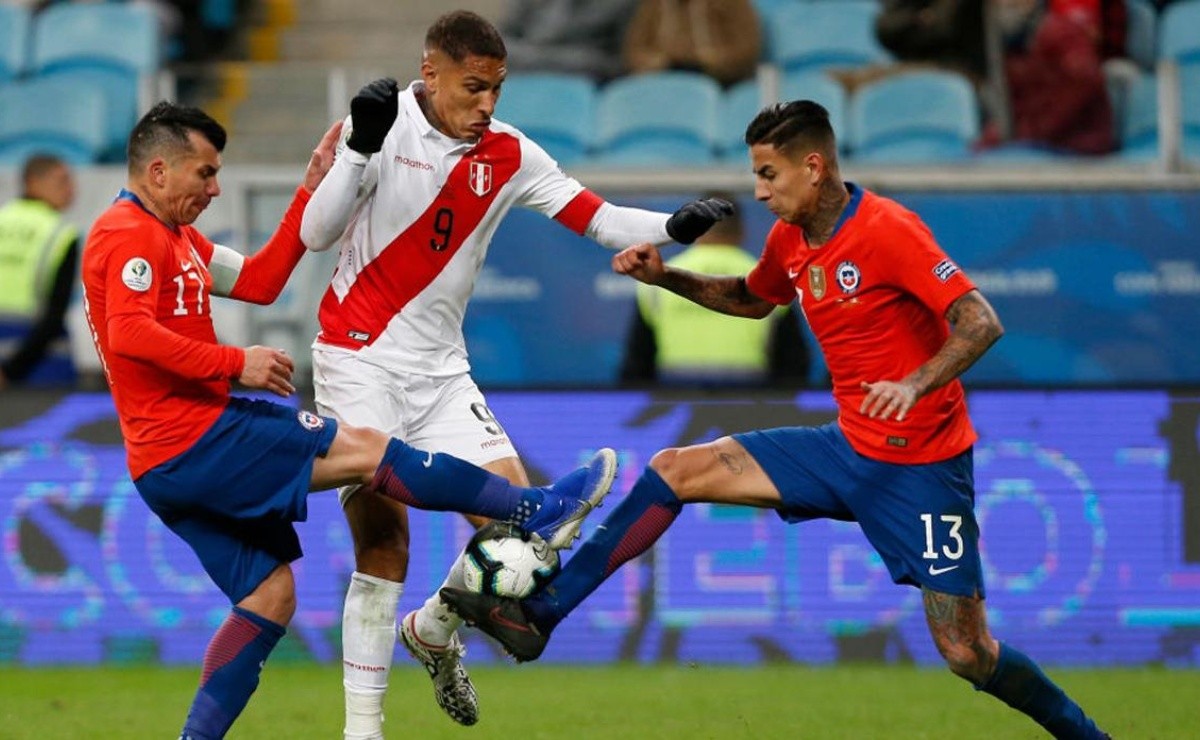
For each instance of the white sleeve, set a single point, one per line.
(225, 267)
(617, 227)
(331, 207)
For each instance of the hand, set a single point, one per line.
(885, 398)
(322, 158)
(642, 262)
(697, 217)
(372, 113)
(269, 369)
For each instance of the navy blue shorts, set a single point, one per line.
(919, 518)
(234, 495)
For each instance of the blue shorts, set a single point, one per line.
(919, 518)
(234, 494)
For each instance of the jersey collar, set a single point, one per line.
(132, 197)
(851, 208)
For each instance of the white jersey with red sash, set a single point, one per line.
(426, 211)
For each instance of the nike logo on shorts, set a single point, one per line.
(934, 571)
(428, 461)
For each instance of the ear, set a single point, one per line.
(429, 71)
(814, 165)
(156, 172)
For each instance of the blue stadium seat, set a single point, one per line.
(662, 118)
(1189, 84)
(14, 41)
(1142, 33)
(1138, 127)
(1139, 130)
(51, 116)
(739, 105)
(558, 111)
(107, 45)
(914, 117)
(817, 35)
(819, 88)
(1179, 32)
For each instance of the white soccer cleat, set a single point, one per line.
(452, 687)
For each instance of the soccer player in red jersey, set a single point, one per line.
(898, 323)
(230, 475)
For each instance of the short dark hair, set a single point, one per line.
(37, 166)
(164, 131)
(787, 126)
(461, 33)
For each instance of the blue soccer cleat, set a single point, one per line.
(570, 500)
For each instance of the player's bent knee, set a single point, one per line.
(669, 467)
(275, 597)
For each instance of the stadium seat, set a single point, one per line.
(739, 105)
(817, 35)
(1142, 33)
(1138, 125)
(51, 116)
(14, 41)
(557, 111)
(914, 117)
(1139, 130)
(819, 88)
(106, 45)
(661, 118)
(1179, 32)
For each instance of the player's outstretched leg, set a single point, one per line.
(440, 482)
(524, 627)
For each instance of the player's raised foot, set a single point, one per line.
(452, 686)
(502, 618)
(570, 500)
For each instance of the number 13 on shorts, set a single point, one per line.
(952, 524)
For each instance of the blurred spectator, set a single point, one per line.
(569, 36)
(720, 38)
(944, 33)
(39, 251)
(673, 341)
(1106, 20)
(1055, 82)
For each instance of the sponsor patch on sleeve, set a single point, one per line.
(944, 270)
(137, 275)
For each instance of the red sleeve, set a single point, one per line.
(919, 265)
(577, 214)
(136, 261)
(768, 279)
(142, 338)
(265, 272)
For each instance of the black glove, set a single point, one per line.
(372, 112)
(697, 217)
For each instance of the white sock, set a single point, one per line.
(368, 640)
(435, 624)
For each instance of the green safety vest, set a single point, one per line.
(693, 340)
(34, 238)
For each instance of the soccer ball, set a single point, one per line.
(504, 560)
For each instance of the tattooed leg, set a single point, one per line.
(959, 628)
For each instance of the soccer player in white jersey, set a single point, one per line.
(418, 188)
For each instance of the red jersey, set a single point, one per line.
(876, 296)
(146, 291)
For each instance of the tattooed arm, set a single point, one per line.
(724, 294)
(974, 328)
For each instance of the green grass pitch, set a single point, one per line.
(303, 700)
